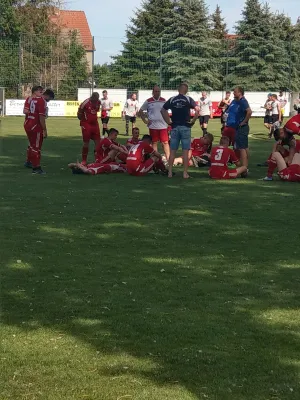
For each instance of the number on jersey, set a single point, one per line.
(219, 154)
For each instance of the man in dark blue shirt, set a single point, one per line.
(181, 123)
(239, 113)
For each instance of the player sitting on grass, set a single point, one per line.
(287, 146)
(134, 139)
(97, 169)
(199, 154)
(109, 150)
(220, 157)
(290, 173)
(142, 158)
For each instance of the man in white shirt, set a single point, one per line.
(158, 129)
(106, 107)
(206, 112)
(130, 111)
(283, 102)
(276, 109)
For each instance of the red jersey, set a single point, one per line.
(131, 142)
(293, 125)
(297, 146)
(103, 148)
(89, 111)
(34, 106)
(137, 153)
(221, 156)
(199, 148)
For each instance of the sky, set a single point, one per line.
(108, 19)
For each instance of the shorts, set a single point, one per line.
(140, 169)
(241, 137)
(204, 119)
(229, 132)
(291, 173)
(90, 132)
(223, 173)
(275, 118)
(181, 134)
(268, 119)
(159, 135)
(130, 119)
(105, 120)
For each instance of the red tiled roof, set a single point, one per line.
(75, 20)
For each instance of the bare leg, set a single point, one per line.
(154, 145)
(166, 148)
(244, 157)
(185, 156)
(296, 159)
(281, 164)
(178, 160)
(171, 162)
(241, 170)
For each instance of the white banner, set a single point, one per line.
(14, 107)
(56, 108)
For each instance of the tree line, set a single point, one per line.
(169, 41)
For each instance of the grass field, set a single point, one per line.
(116, 287)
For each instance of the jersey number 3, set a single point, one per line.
(219, 154)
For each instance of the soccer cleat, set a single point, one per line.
(28, 164)
(38, 171)
(267, 178)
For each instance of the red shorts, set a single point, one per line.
(90, 132)
(291, 173)
(140, 169)
(159, 135)
(223, 173)
(230, 133)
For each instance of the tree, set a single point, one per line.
(191, 50)
(76, 68)
(219, 29)
(9, 25)
(258, 58)
(138, 65)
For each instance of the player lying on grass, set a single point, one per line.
(199, 154)
(135, 139)
(220, 157)
(109, 150)
(97, 168)
(142, 158)
(290, 173)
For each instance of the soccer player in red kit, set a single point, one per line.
(142, 158)
(35, 110)
(220, 157)
(293, 125)
(290, 173)
(199, 153)
(109, 150)
(134, 139)
(87, 114)
(98, 169)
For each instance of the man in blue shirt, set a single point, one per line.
(181, 123)
(239, 113)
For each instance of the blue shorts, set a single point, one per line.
(241, 137)
(181, 134)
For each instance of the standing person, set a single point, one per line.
(283, 102)
(239, 113)
(158, 129)
(87, 114)
(223, 105)
(206, 112)
(106, 107)
(130, 111)
(181, 122)
(35, 110)
(276, 109)
(268, 114)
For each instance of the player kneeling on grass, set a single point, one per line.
(109, 150)
(142, 158)
(135, 139)
(220, 157)
(199, 155)
(289, 173)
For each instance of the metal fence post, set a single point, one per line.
(161, 62)
(20, 67)
(290, 66)
(227, 65)
(93, 65)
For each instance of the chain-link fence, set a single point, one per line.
(62, 63)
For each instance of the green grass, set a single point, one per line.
(115, 287)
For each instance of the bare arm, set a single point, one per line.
(196, 116)
(143, 117)
(279, 111)
(166, 116)
(211, 112)
(248, 116)
(42, 119)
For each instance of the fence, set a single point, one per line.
(62, 63)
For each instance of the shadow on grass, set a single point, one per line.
(191, 276)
